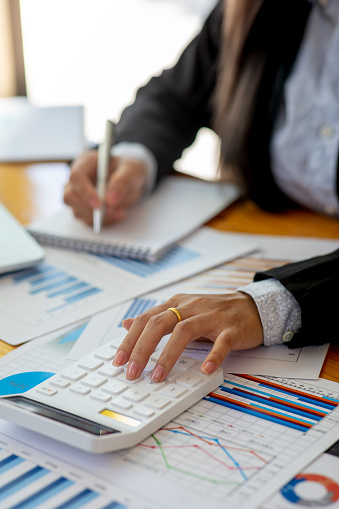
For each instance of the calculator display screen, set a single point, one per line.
(124, 419)
(56, 414)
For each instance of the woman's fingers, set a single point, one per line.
(221, 348)
(80, 209)
(183, 332)
(82, 181)
(125, 185)
(143, 336)
(231, 321)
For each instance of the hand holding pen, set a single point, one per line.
(125, 182)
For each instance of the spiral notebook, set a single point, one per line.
(177, 207)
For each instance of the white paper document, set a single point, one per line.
(70, 286)
(237, 446)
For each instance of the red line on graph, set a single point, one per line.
(213, 442)
(260, 410)
(285, 403)
(195, 446)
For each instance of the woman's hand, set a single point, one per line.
(126, 181)
(231, 321)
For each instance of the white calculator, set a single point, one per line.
(92, 406)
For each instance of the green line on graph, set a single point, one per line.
(186, 472)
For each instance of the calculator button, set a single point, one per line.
(157, 402)
(172, 375)
(151, 386)
(80, 389)
(149, 367)
(189, 380)
(90, 363)
(173, 390)
(184, 363)
(105, 353)
(116, 342)
(73, 374)
(115, 387)
(110, 371)
(122, 377)
(121, 403)
(197, 370)
(94, 380)
(101, 396)
(156, 354)
(135, 395)
(143, 411)
(59, 382)
(48, 391)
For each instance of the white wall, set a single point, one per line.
(96, 53)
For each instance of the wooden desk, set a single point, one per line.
(34, 191)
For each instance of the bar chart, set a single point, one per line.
(26, 485)
(177, 255)
(268, 400)
(138, 306)
(54, 283)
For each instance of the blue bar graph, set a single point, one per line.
(9, 462)
(53, 283)
(22, 481)
(22, 275)
(79, 500)
(48, 277)
(113, 505)
(137, 307)
(174, 257)
(39, 485)
(44, 494)
(69, 289)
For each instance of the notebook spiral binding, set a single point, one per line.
(99, 248)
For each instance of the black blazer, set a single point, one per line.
(173, 106)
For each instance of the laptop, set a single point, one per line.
(18, 249)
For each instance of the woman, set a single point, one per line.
(264, 75)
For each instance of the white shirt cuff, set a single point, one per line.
(138, 151)
(279, 312)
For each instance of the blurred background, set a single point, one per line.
(96, 54)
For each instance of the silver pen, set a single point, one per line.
(104, 153)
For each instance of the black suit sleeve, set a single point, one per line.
(314, 283)
(170, 109)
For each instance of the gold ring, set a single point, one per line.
(176, 312)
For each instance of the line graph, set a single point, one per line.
(210, 442)
(201, 460)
